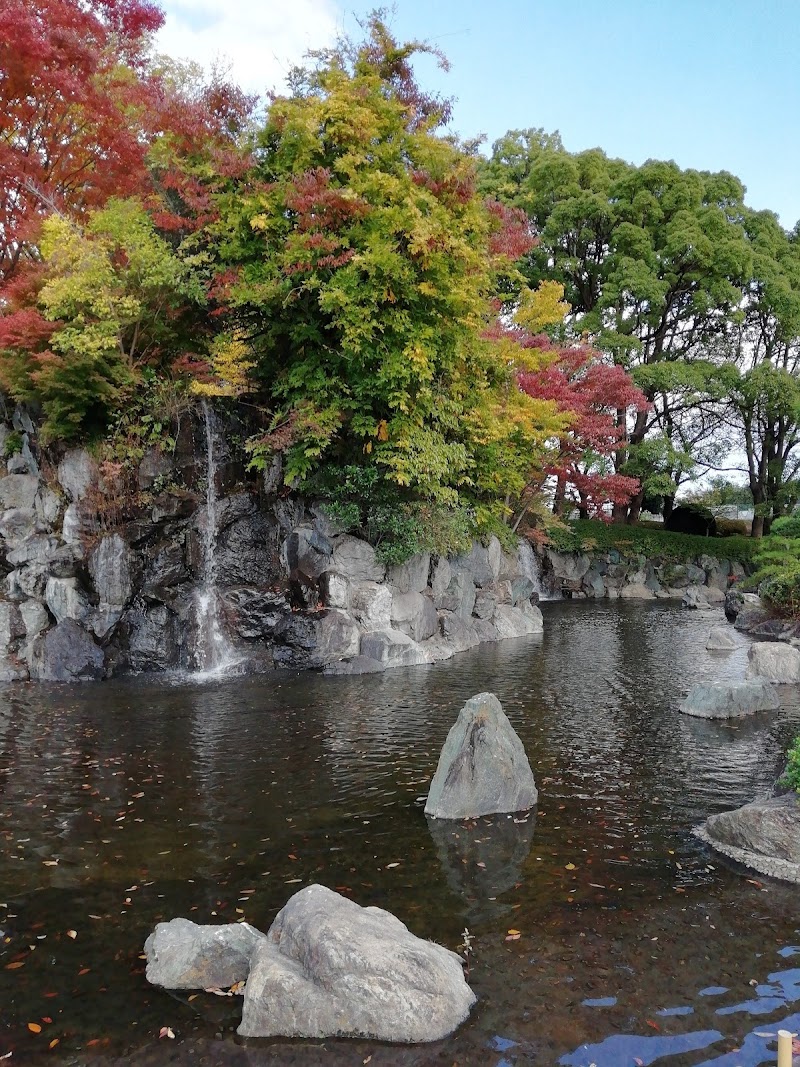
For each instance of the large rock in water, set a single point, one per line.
(730, 700)
(329, 967)
(774, 662)
(482, 768)
(66, 654)
(764, 835)
(720, 639)
(182, 955)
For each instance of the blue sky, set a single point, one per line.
(712, 84)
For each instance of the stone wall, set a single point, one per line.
(87, 596)
(610, 574)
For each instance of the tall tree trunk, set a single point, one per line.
(635, 508)
(668, 507)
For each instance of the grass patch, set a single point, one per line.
(587, 535)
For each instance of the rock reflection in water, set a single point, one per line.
(483, 858)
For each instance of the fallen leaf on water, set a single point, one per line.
(50, 863)
(14, 966)
(72, 933)
(513, 931)
(166, 1031)
(84, 970)
(34, 1028)
(389, 865)
(512, 937)
(654, 1025)
(54, 1042)
(7, 1056)
(570, 867)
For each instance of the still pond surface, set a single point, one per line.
(129, 802)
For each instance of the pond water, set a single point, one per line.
(129, 802)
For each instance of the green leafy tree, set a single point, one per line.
(653, 259)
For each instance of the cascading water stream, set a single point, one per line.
(214, 653)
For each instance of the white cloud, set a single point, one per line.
(259, 39)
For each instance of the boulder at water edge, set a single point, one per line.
(764, 835)
(482, 768)
(330, 967)
(182, 955)
(730, 700)
(774, 662)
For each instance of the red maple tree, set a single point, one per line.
(598, 396)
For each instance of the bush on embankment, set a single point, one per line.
(588, 535)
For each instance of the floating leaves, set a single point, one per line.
(167, 1031)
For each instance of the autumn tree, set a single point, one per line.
(361, 268)
(72, 90)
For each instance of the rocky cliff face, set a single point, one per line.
(96, 585)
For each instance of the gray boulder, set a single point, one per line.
(720, 639)
(774, 662)
(356, 560)
(477, 564)
(411, 576)
(415, 615)
(337, 637)
(441, 576)
(65, 599)
(636, 591)
(66, 654)
(253, 613)
(517, 622)
(307, 553)
(482, 768)
(329, 967)
(764, 835)
(76, 472)
(459, 596)
(18, 491)
(371, 604)
(109, 566)
(182, 955)
(392, 648)
(334, 589)
(730, 700)
(17, 524)
(695, 597)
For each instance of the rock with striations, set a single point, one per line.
(763, 835)
(183, 955)
(482, 768)
(330, 967)
(774, 662)
(730, 700)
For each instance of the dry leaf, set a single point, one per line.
(72, 933)
(14, 966)
(570, 867)
(34, 1028)
(166, 1031)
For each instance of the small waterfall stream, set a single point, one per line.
(214, 654)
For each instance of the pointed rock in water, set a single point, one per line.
(183, 955)
(483, 768)
(330, 967)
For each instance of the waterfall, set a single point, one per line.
(213, 652)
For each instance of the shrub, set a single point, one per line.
(586, 535)
(786, 526)
(791, 776)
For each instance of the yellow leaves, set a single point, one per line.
(542, 307)
(34, 1028)
(382, 432)
(231, 366)
(570, 867)
(259, 223)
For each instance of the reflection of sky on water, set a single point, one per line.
(623, 1049)
(757, 1048)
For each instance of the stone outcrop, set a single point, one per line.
(182, 955)
(730, 700)
(763, 835)
(774, 662)
(609, 574)
(482, 768)
(329, 967)
(90, 593)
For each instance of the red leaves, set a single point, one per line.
(512, 236)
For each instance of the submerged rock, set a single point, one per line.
(183, 955)
(482, 768)
(730, 700)
(764, 835)
(330, 967)
(774, 662)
